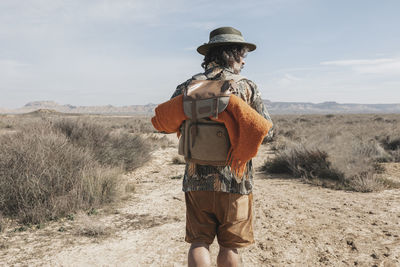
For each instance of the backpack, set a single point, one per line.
(204, 141)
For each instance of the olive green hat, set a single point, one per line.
(224, 36)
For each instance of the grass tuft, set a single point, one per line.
(91, 228)
(2, 223)
(179, 160)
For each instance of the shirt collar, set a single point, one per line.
(213, 69)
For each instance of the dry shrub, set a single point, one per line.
(122, 149)
(42, 175)
(130, 187)
(345, 148)
(131, 124)
(278, 164)
(303, 162)
(5, 124)
(52, 166)
(2, 223)
(396, 155)
(142, 125)
(3, 245)
(365, 182)
(178, 160)
(370, 149)
(160, 140)
(392, 145)
(312, 164)
(90, 227)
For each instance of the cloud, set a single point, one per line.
(288, 80)
(382, 66)
(388, 68)
(353, 62)
(353, 80)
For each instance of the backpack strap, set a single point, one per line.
(193, 130)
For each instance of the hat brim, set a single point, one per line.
(203, 49)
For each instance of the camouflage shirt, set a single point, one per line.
(214, 178)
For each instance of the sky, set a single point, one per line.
(131, 52)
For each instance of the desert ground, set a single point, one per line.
(296, 224)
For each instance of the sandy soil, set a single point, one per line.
(296, 225)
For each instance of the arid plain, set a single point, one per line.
(302, 218)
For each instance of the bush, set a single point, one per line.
(303, 162)
(42, 175)
(91, 228)
(178, 160)
(279, 164)
(390, 143)
(121, 149)
(358, 173)
(396, 155)
(346, 149)
(2, 224)
(392, 146)
(365, 182)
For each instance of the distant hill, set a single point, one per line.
(108, 109)
(273, 108)
(328, 107)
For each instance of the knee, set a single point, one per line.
(224, 250)
(228, 257)
(199, 255)
(199, 245)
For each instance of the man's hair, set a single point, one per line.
(225, 55)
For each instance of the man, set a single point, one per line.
(217, 202)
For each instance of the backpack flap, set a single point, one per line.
(205, 98)
(205, 108)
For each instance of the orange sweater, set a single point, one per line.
(246, 127)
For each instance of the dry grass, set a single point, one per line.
(128, 124)
(91, 227)
(2, 223)
(343, 148)
(51, 166)
(160, 140)
(392, 145)
(178, 160)
(3, 245)
(130, 187)
(119, 149)
(42, 175)
(303, 162)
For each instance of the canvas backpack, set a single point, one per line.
(204, 141)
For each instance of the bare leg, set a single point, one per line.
(199, 255)
(228, 257)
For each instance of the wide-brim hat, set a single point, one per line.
(224, 36)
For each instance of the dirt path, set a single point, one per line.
(296, 225)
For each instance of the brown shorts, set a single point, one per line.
(225, 215)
